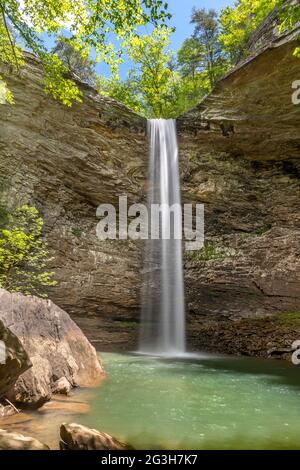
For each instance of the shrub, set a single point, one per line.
(23, 253)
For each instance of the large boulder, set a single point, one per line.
(16, 441)
(77, 437)
(13, 360)
(55, 344)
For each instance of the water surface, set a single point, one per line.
(191, 403)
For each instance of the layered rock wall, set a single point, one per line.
(240, 152)
(67, 161)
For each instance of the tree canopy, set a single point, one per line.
(160, 82)
(240, 21)
(87, 23)
(77, 60)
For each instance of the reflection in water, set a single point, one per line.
(193, 403)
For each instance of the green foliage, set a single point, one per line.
(289, 15)
(190, 57)
(240, 21)
(195, 80)
(5, 94)
(207, 253)
(153, 78)
(289, 318)
(206, 33)
(264, 229)
(297, 52)
(76, 58)
(77, 232)
(157, 86)
(56, 83)
(148, 87)
(124, 91)
(87, 23)
(23, 253)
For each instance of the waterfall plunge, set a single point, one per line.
(163, 308)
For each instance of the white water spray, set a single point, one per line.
(163, 307)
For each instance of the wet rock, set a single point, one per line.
(56, 346)
(7, 410)
(16, 441)
(78, 437)
(65, 407)
(62, 386)
(14, 359)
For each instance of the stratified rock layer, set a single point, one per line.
(66, 162)
(240, 152)
(56, 346)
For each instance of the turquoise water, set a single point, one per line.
(219, 403)
(199, 403)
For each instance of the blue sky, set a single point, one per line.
(181, 11)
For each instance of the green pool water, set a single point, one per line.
(191, 403)
(198, 403)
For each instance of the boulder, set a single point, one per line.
(7, 410)
(56, 346)
(62, 386)
(13, 360)
(16, 441)
(77, 437)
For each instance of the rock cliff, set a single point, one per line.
(66, 162)
(240, 157)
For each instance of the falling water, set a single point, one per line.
(163, 316)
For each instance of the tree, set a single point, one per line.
(23, 253)
(158, 85)
(290, 17)
(190, 57)
(239, 22)
(76, 59)
(89, 24)
(124, 91)
(206, 33)
(152, 78)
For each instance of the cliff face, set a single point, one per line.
(66, 162)
(240, 157)
(240, 153)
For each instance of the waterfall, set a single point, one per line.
(162, 330)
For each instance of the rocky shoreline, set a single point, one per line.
(72, 436)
